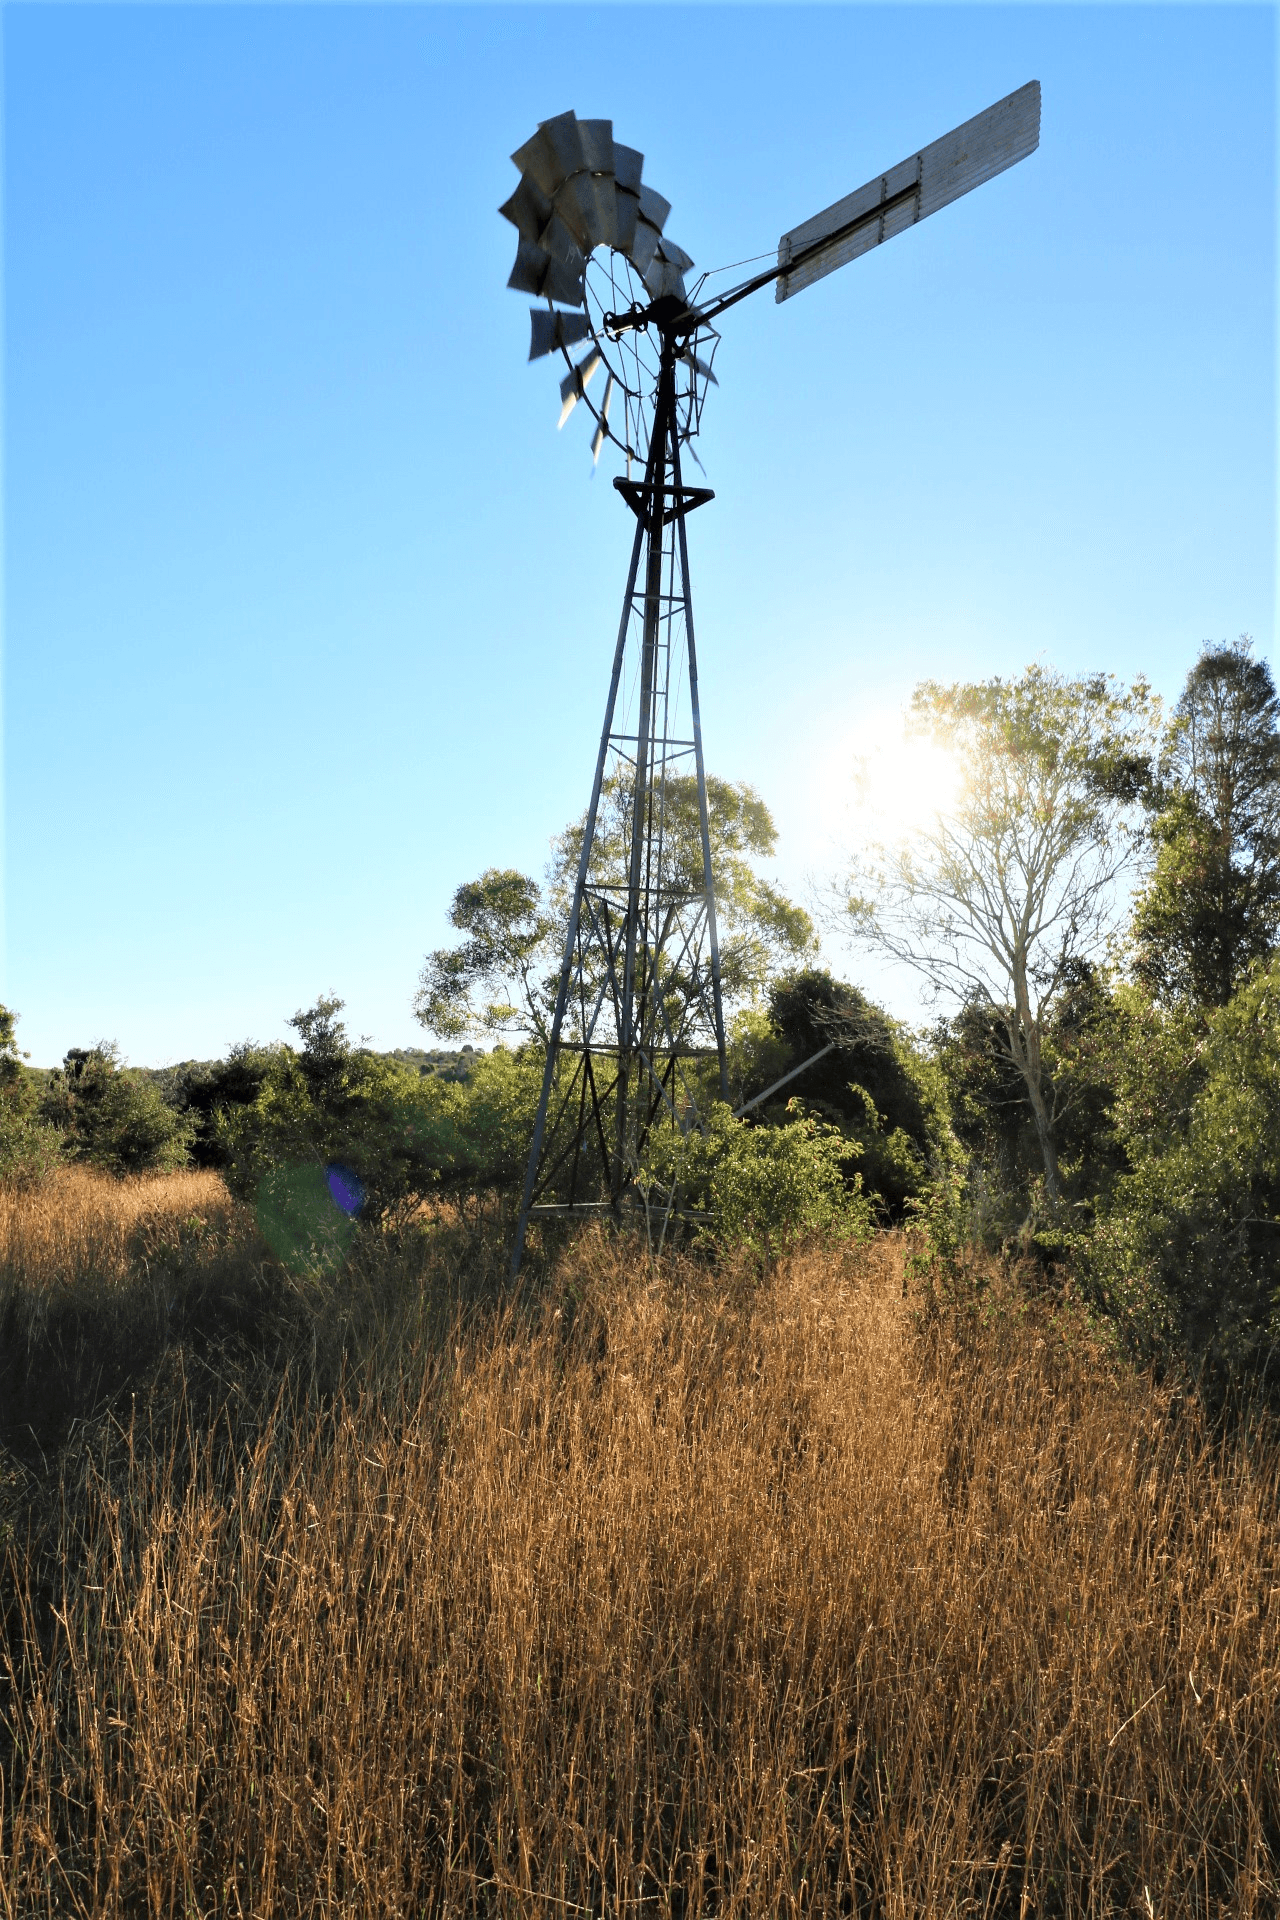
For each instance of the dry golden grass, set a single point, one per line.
(661, 1595)
(83, 1226)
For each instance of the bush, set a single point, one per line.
(874, 1087)
(29, 1147)
(1188, 1250)
(766, 1187)
(334, 1131)
(112, 1118)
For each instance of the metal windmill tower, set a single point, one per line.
(638, 1027)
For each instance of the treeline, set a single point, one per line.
(1098, 911)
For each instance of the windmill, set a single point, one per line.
(637, 1032)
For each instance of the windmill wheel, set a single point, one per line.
(592, 241)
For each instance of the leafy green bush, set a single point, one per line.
(1188, 1249)
(29, 1146)
(765, 1187)
(328, 1113)
(111, 1117)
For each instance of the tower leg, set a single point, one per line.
(641, 962)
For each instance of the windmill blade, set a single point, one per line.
(628, 165)
(674, 254)
(528, 210)
(554, 152)
(536, 272)
(598, 437)
(574, 385)
(597, 145)
(560, 240)
(654, 208)
(587, 203)
(626, 213)
(663, 276)
(551, 330)
(700, 366)
(908, 193)
(644, 246)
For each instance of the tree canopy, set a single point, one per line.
(500, 979)
(1000, 901)
(1211, 904)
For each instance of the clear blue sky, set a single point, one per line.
(308, 609)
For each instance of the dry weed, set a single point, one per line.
(668, 1596)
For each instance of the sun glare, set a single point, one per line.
(905, 784)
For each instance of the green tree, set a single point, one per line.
(1187, 1248)
(873, 1086)
(992, 1116)
(335, 1132)
(501, 978)
(29, 1146)
(202, 1089)
(1000, 901)
(1211, 905)
(111, 1117)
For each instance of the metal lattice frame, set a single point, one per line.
(638, 997)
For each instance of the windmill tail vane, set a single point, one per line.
(636, 1047)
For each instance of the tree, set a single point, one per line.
(28, 1146)
(1211, 905)
(1187, 1249)
(502, 978)
(202, 1089)
(992, 1116)
(872, 1086)
(1000, 901)
(111, 1117)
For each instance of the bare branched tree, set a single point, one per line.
(1001, 899)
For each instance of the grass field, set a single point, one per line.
(656, 1592)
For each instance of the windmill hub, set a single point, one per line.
(668, 314)
(636, 1045)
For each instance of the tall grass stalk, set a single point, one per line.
(663, 1593)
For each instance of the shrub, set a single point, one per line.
(111, 1117)
(874, 1087)
(403, 1135)
(1189, 1248)
(766, 1187)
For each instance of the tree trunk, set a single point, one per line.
(1024, 1045)
(1048, 1146)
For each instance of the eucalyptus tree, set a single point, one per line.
(998, 901)
(500, 977)
(1211, 905)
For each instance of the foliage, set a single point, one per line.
(502, 977)
(1188, 1250)
(765, 1187)
(993, 1118)
(203, 1089)
(111, 1117)
(29, 1146)
(1211, 905)
(875, 1087)
(405, 1136)
(1002, 900)
(495, 980)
